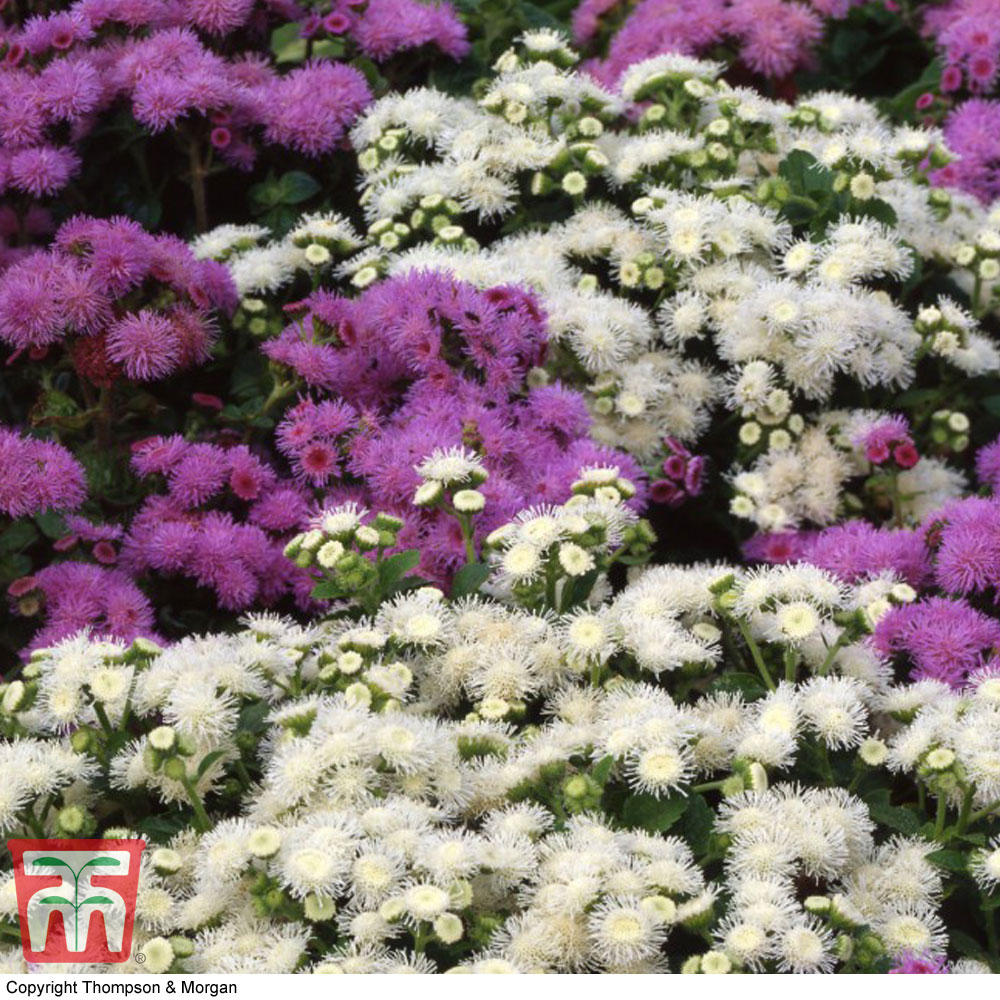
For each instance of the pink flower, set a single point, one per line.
(951, 79)
(105, 553)
(906, 455)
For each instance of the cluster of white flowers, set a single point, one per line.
(398, 805)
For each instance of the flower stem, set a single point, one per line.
(832, 652)
(758, 659)
(963, 815)
(202, 821)
(942, 816)
(983, 813)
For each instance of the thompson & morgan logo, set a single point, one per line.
(76, 898)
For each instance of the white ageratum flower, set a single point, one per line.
(574, 559)
(452, 465)
(985, 866)
(521, 562)
(469, 501)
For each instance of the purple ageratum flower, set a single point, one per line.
(776, 37)
(967, 34)
(77, 288)
(36, 476)
(310, 109)
(852, 551)
(218, 17)
(423, 362)
(144, 344)
(969, 130)
(988, 466)
(910, 964)
(944, 639)
(657, 26)
(587, 18)
(82, 596)
(965, 537)
(311, 436)
(236, 552)
(390, 26)
(682, 475)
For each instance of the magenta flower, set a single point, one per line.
(37, 475)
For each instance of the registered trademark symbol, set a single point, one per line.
(140, 958)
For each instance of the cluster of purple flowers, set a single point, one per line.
(970, 131)
(682, 475)
(222, 521)
(773, 38)
(312, 436)
(37, 475)
(423, 362)
(122, 301)
(888, 438)
(967, 34)
(381, 28)
(77, 596)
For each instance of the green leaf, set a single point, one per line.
(699, 821)
(896, 817)
(55, 900)
(206, 762)
(804, 173)
(653, 814)
(51, 861)
(953, 861)
(296, 186)
(602, 769)
(96, 900)
(469, 579)
(287, 43)
(253, 716)
(877, 209)
(326, 591)
(748, 685)
(18, 536)
(161, 829)
(102, 863)
(393, 569)
(967, 945)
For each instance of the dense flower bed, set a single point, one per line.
(552, 527)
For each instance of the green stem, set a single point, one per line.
(550, 584)
(983, 813)
(708, 786)
(824, 758)
(758, 659)
(103, 718)
(977, 294)
(791, 665)
(963, 815)
(467, 537)
(991, 926)
(832, 652)
(32, 821)
(729, 644)
(203, 822)
(942, 816)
